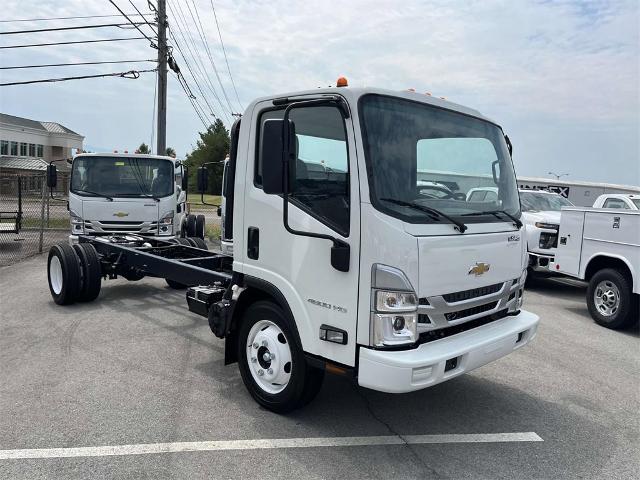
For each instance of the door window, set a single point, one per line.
(321, 186)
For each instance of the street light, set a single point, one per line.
(558, 176)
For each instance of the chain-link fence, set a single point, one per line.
(31, 217)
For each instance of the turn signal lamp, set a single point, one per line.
(342, 82)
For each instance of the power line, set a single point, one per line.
(205, 43)
(225, 55)
(153, 45)
(72, 43)
(131, 74)
(47, 19)
(16, 67)
(145, 20)
(191, 72)
(181, 22)
(191, 98)
(77, 27)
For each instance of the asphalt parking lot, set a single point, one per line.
(136, 368)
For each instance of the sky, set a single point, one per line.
(561, 77)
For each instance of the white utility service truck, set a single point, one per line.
(625, 201)
(343, 259)
(117, 193)
(602, 246)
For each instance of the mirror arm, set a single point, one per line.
(338, 245)
(202, 193)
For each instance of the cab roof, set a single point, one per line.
(125, 155)
(353, 94)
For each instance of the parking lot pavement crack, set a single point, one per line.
(419, 460)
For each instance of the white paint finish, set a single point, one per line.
(300, 266)
(406, 370)
(276, 443)
(590, 233)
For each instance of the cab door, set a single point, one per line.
(325, 200)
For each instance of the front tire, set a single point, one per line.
(610, 299)
(200, 230)
(91, 272)
(272, 365)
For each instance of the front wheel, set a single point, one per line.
(610, 300)
(272, 365)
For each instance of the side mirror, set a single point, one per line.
(272, 151)
(203, 179)
(52, 176)
(185, 179)
(340, 255)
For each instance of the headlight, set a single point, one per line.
(394, 316)
(165, 225)
(395, 301)
(77, 223)
(548, 226)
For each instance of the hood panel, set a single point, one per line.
(445, 261)
(548, 216)
(120, 210)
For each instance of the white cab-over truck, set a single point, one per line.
(118, 193)
(602, 246)
(343, 261)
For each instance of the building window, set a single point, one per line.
(14, 148)
(23, 149)
(4, 147)
(40, 152)
(32, 149)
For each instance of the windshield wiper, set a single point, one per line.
(496, 213)
(95, 193)
(143, 195)
(433, 213)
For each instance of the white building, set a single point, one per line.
(29, 144)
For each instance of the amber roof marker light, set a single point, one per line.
(342, 82)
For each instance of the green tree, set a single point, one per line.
(143, 148)
(212, 146)
(171, 152)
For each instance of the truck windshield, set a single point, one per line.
(541, 202)
(420, 154)
(122, 177)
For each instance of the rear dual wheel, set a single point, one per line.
(73, 273)
(610, 300)
(195, 226)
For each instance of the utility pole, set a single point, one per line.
(161, 147)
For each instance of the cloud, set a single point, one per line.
(562, 77)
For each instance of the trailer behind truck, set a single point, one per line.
(345, 259)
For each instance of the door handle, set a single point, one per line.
(253, 243)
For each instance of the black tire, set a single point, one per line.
(191, 226)
(91, 272)
(305, 381)
(66, 270)
(200, 221)
(133, 275)
(192, 241)
(171, 283)
(627, 311)
(200, 243)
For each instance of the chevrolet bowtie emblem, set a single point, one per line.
(479, 268)
(121, 214)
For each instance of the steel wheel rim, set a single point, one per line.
(268, 357)
(55, 274)
(606, 298)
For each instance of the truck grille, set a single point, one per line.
(467, 312)
(473, 293)
(117, 226)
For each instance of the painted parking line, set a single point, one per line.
(274, 443)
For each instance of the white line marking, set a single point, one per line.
(148, 448)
